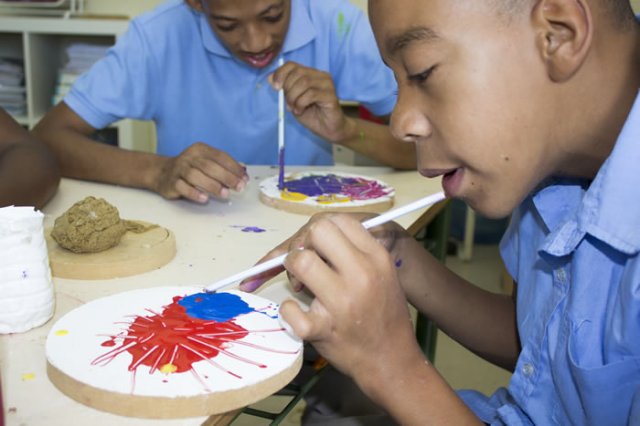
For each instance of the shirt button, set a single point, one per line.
(561, 275)
(527, 369)
(259, 86)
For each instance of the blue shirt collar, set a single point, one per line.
(301, 32)
(609, 210)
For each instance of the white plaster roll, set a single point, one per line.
(26, 289)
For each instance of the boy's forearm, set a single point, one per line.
(414, 393)
(375, 141)
(81, 157)
(482, 321)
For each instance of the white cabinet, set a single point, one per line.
(40, 43)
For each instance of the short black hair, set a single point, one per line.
(619, 11)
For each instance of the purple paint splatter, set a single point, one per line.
(281, 172)
(355, 188)
(398, 263)
(254, 229)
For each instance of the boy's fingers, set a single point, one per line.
(305, 324)
(184, 189)
(341, 242)
(317, 276)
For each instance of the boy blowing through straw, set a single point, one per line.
(528, 108)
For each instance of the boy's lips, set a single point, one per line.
(451, 178)
(260, 60)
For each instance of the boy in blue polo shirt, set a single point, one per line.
(205, 72)
(526, 107)
(29, 173)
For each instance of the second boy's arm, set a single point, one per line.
(195, 174)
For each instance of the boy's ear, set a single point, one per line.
(564, 30)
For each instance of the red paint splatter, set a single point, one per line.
(171, 342)
(173, 338)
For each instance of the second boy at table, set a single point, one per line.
(205, 73)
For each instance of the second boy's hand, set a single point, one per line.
(198, 173)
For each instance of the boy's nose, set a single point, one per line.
(255, 40)
(408, 122)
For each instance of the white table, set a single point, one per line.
(210, 246)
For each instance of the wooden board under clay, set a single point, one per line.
(135, 254)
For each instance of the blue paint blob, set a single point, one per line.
(219, 307)
(254, 229)
(398, 263)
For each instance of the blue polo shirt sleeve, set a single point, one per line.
(357, 67)
(120, 85)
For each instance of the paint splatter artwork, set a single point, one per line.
(330, 190)
(172, 342)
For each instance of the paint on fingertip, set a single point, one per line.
(250, 286)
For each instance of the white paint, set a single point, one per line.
(26, 290)
(86, 327)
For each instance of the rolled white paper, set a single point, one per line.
(26, 289)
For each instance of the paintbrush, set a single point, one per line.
(370, 223)
(281, 132)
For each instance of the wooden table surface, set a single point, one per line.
(210, 245)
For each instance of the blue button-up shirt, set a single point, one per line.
(170, 67)
(572, 248)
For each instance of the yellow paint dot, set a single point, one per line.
(62, 332)
(168, 369)
(292, 196)
(332, 198)
(28, 376)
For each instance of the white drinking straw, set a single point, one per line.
(375, 221)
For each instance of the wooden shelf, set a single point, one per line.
(40, 43)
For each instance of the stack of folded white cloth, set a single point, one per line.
(26, 289)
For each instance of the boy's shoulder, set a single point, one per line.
(329, 11)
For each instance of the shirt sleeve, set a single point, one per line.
(118, 86)
(357, 68)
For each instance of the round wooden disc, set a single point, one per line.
(104, 355)
(135, 254)
(271, 196)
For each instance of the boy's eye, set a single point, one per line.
(422, 76)
(226, 28)
(274, 19)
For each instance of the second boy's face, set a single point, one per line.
(473, 96)
(252, 30)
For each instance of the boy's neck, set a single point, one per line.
(601, 112)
